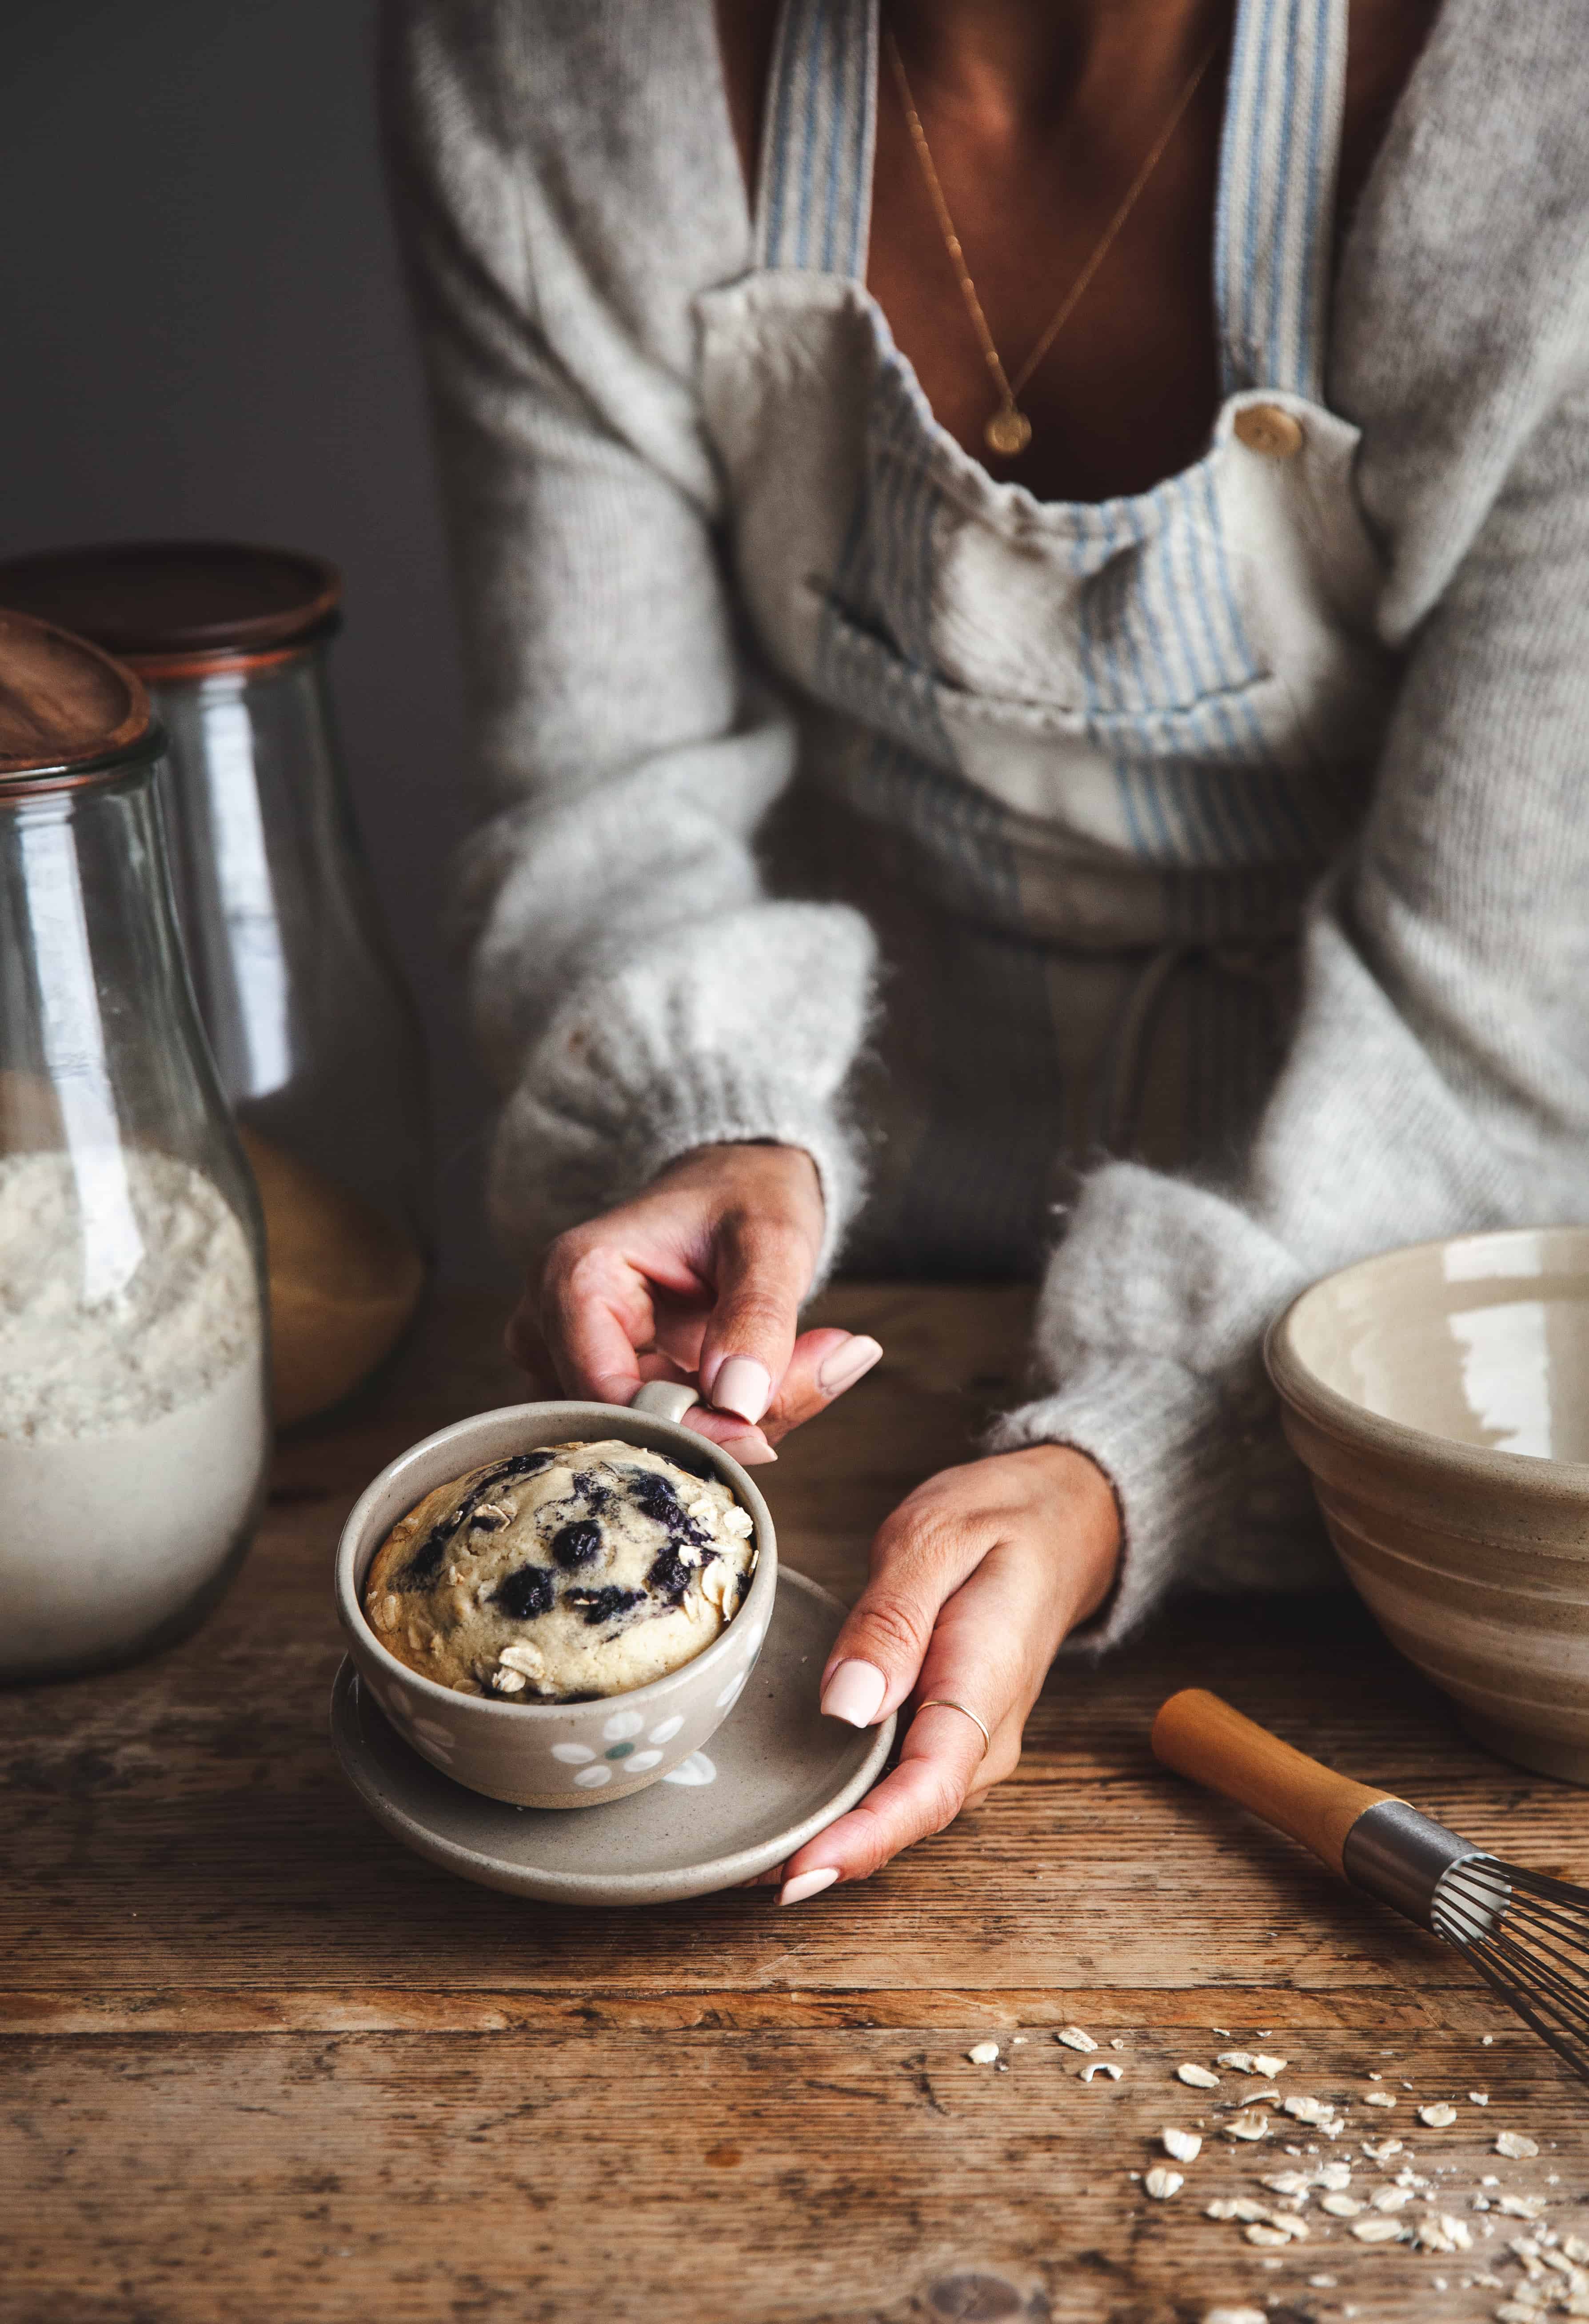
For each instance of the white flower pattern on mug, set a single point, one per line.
(694, 1770)
(618, 1734)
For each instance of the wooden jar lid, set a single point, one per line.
(65, 707)
(161, 604)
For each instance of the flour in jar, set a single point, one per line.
(132, 1428)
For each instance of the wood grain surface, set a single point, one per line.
(261, 2062)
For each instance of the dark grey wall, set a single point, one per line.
(202, 331)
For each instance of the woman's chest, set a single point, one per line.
(1128, 394)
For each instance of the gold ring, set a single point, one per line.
(942, 1702)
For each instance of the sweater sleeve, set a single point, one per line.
(633, 987)
(1437, 1080)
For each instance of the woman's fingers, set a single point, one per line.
(985, 1655)
(825, 1363)
(763, 1269)
(975, 1579)
(748, 1445)
(923, 1553)
(941, 1755)
(596, 1313)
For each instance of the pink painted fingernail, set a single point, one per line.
(743, 1386)
(847, 1364)
(855, 1693)
(806, 1883)
(750, 1452)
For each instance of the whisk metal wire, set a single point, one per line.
(1527, 1936)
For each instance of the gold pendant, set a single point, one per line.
(1008, 432)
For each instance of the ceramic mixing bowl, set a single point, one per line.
(1439, 1395)
(554, 1754)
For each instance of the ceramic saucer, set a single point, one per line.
(775, 1773)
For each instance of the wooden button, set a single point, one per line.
(1265, 428)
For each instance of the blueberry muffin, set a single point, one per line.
(564, 1574)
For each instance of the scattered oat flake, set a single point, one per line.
(1117, 2044)
(1455, 2234)
(1379, 2098)
(1236, 2207)
(1183, 2146)
(983, 2053)
(1097, 2066)
(1240, 2061)
(1248, 2124)
(1340, 2207)
(1162, 2184)
(1438, 2117)
(1526, 2206)
(1261, 2232)
(1234, 2316)
(1074, 2038)
(1305, 2109)
(1376, 2230)
(1321, 2283)
(1478, 2097)
(1197, 2077)
(1392, 2199)
(1515, 2146)
(1382, 2153)
(1489, 2041)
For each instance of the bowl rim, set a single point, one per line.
(1297, 1385)
(362, 1632)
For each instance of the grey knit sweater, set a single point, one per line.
(568, 185)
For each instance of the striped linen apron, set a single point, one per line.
(1079, 763)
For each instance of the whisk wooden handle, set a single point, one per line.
(1201, 1736)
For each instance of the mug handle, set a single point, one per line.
(664, 1400)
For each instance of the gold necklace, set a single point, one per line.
(1008, 431)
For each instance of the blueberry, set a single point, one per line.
(602, 1604)
(528, 1591)
(576, 1544)
(591, 1491)
(668, 1575)
(654, 1497)
(521, 1464)
(425, 1564)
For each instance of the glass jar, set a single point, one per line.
(135, 1427)
(315, 1039)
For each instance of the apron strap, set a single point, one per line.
(1274, 226)
(814, 198)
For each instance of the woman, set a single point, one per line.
(921, 767)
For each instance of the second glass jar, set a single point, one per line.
(315, 1039)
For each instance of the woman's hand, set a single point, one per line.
(700, 1278)
(975, 1579)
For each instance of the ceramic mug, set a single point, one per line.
(556, 1755)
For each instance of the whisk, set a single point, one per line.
(1526, 1934)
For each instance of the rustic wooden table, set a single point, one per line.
(261, 2062)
